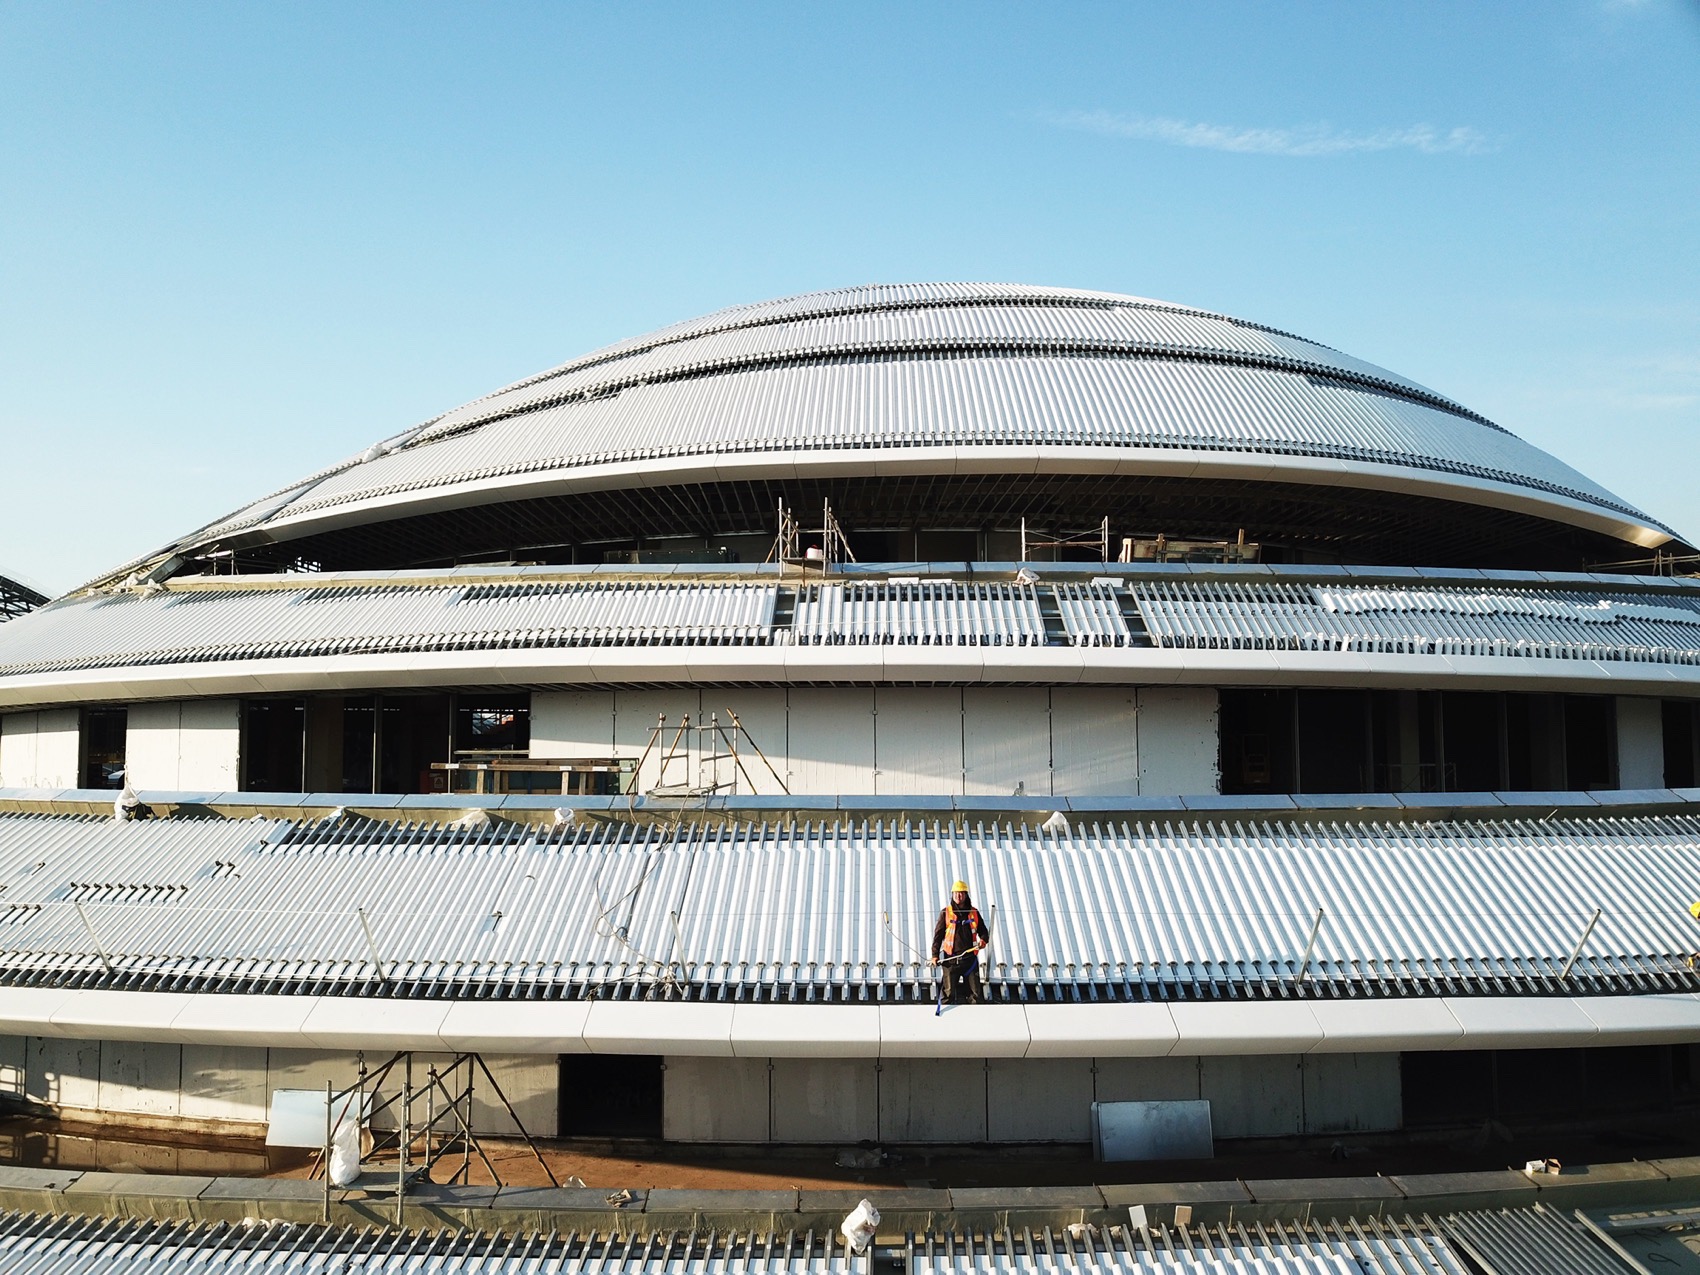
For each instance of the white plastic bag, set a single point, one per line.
(345, 1152)
(860, 1225)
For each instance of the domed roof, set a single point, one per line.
(940, 378)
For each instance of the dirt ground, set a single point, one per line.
(641, 1165)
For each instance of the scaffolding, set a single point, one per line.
(826, 557)
(433, 1122)
(699, 760)
(18, 599)
(1098, 539)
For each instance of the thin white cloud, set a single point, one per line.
(1306, 142)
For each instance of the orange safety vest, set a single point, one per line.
(948, 947)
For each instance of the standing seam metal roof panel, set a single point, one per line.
(749, 908)
(1033, 399)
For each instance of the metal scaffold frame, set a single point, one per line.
(419, 1144)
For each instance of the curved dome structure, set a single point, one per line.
(989, 402)
(1281, 711)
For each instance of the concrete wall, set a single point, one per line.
(1179, 741)
(898, 1100)
(39, 750)
(983, 741)
(213, 1083)
(1640, 743)
(184, 746)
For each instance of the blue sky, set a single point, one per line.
(238, 242)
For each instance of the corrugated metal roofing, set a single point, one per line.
(943, 399)
(1129, 329)
(925, 613)
(1585, 618)
(1537, 1241)
(1125, 912)
(37, 1245)
(1598, 624)
(192, 626)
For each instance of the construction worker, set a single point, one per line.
(959, 936)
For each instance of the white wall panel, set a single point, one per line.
(715, 1100)
(1039, 1099)
(64, 1073)
(224, 1082)
(531, 1084)
(825, 1100)
(1006, 741)
(140, 1078)
(39, 750)
(209, 746)
(763, 713)
(572, 724)
(1179, 741)
(151, 743)
(635, 716)
(184, 746)
(918, 740)
(1094, 741)
(1352, 1093)
(1640, 743)
(14, 1052)
(831, 740)
(1146, 1079)
(932, 1100)
(18, 750)
(1254, 1095)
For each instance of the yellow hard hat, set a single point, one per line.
(963, 886)
(1694, 911)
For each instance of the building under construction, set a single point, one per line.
(1319, 749)
(16, 599)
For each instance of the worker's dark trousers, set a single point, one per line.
(962, 986)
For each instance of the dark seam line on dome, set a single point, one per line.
(1360, 454)
(837, 312)
(928, 347)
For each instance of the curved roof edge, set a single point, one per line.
(648, 443)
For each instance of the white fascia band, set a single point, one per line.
(1147, 1029)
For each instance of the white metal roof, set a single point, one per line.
(1127, 621)
(929, 613)
(76, 1245)
(1476, 619)
(1148, 911)
(837, 376)
(826, 411)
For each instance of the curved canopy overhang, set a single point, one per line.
(945, 380)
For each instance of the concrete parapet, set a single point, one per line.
(1449, 1192)
(1320, 1199)
(579, 1208)
(912, 1209)
(992, 1208)
(160, 1196)
(1586, 1185)
(268, 1199)
(706, 1210)
(1210, 1202)
(35, 1190)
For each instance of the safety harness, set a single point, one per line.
(948, 947)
